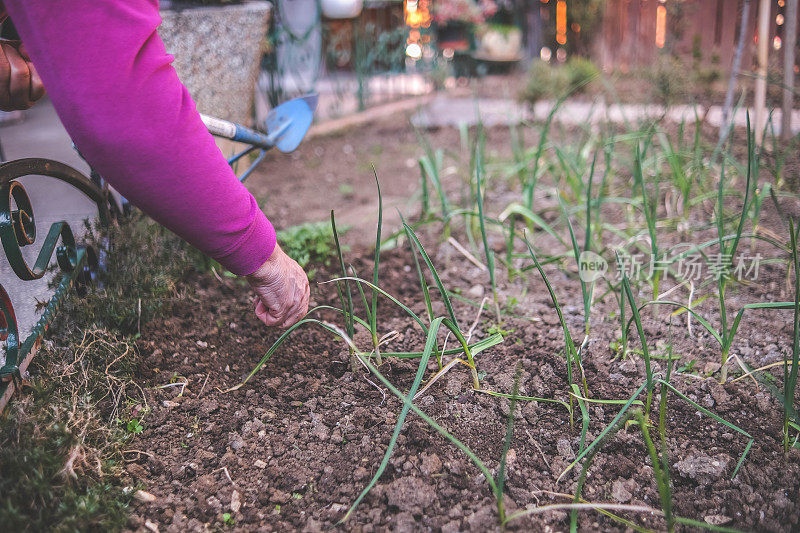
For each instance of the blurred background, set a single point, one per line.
(362, 53)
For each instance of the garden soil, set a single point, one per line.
(294, 447)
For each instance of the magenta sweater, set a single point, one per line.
(112, 83)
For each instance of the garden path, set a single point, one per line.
(448, 111)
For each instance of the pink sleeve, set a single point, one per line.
(114, 88)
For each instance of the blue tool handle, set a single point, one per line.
(238, 133)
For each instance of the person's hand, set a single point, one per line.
(20, 84)
(282, 290)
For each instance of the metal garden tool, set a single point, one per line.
(285, 126)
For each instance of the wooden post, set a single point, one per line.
(761, 70)
(789, 41)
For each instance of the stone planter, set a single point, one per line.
(341, 9)
(217, 51)
(500, 43)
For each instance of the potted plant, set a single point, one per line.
(341, 9)
(456, 19)
(499, 42)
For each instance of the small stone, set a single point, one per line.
(169, 404)
(511, 457)
(702, 467)
(717, 519)
(233, 325)
(235, 441)
(476, 291)
(320, 431)
(620, 493)
(427, 400)
(151, 526)
(258, 463)
(202, 344)
(144, 496)
(338, 507)
(236, 502)
(564, 449)
(431, 464)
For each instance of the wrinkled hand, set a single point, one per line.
(282, 290)
(20, 84)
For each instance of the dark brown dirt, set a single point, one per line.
(293, 448)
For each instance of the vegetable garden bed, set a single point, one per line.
(297, 445)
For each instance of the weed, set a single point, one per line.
(59, 456)
(60, 449)
(134, 426)
(309, 244)
(143, 264)
(546, 81)
(498, 330)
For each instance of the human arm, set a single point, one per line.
(114, 88)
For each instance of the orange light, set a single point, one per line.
(561, 22)
(661, 26)
(417, 13)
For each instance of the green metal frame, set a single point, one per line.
(17, 230)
